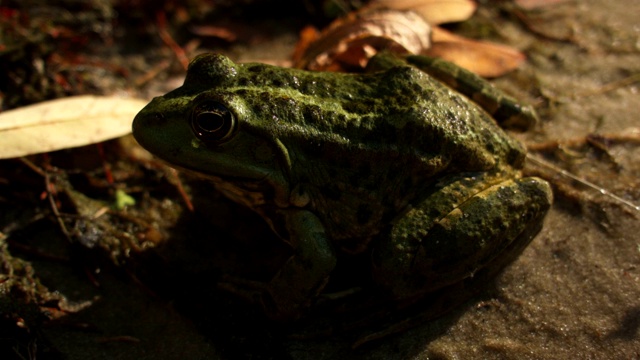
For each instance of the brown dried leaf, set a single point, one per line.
(348, 43)
(65, 123)
(434, 11)
(308, 35)
(352, 40)
(220, 32)
(483, 58)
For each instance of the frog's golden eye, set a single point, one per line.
(212, 122)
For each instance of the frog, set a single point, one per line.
(394, 162)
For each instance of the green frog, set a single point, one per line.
(391, 162)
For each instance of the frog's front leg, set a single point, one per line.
(429, 249)
(306, 272)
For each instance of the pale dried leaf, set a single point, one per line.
(354, 39)
(481, 57)
(536, 4)
(434, 11)
(65, 123)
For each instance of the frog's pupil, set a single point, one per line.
(210, 121)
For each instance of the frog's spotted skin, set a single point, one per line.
(391, 160)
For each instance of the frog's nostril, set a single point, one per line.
(158, 117)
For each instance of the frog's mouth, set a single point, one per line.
(250, 191)
(218, 178)
(214, 171)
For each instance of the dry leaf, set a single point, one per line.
(352, 40)
(400, 27)
(220, 32)
(433, 11)
(536, 4)
(307, 36)
(65, 123)
(481, 57)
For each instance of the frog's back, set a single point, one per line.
(398, 111)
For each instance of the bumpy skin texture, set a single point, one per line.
(391, 161)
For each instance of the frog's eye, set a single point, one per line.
(212, 122)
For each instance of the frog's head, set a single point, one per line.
(207, 127)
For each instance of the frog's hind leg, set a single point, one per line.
(413, 312)
(430, 249)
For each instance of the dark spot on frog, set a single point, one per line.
(265, 97)
(341, 118)
(256, 68)
(363, 106)
(433, 213)
(313, 113)
(381, 132)
(515, 157)
(159, 118)
(282, 106)
(278, 82)
(490, 146)
(244, 81)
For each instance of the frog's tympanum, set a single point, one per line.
(390, 162)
